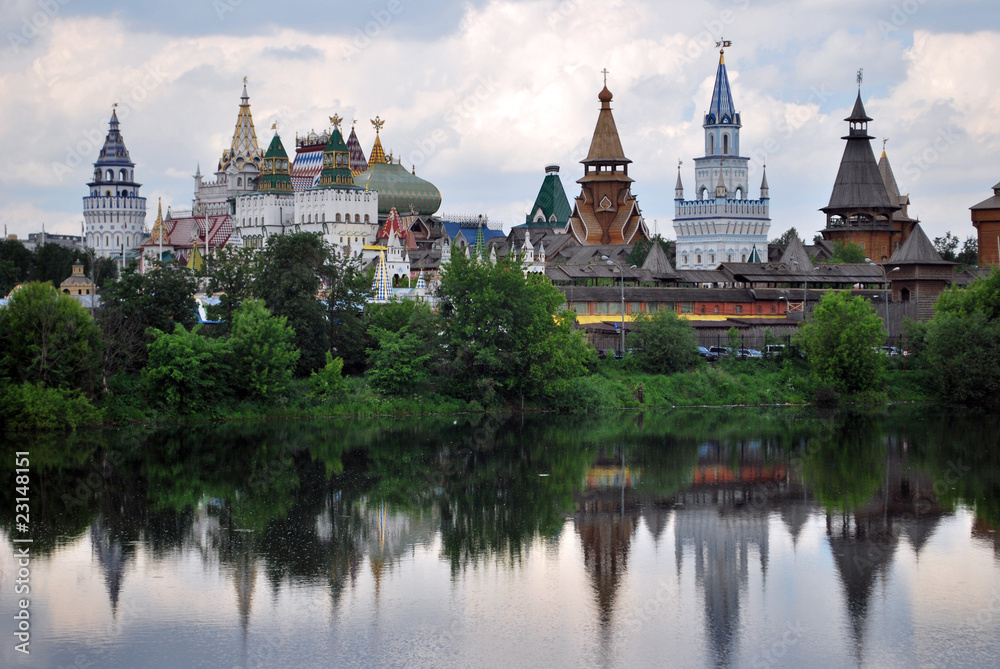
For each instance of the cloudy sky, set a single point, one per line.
(481, 95)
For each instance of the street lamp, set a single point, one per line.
(622, 270)
(885, 290)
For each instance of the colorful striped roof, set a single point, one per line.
(307, 167)
(358, 161)
(378, 153)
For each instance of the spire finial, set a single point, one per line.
(723, 44)
(378, 123)
(244, 81)
(274, 127)
(605, 73)
(336, 120)
(861, 76)
(884, 140)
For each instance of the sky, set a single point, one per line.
(479, 96)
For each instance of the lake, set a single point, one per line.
(715, 537)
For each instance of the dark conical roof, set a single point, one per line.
(722, 109)
(657, 262)
(859, 185)
(917, 250)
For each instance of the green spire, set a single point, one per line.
(480, 243)
(336, 161)
(275, 175)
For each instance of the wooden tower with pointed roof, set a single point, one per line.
(606, 212)
(921, 275)
(986, 220)
(861, 209)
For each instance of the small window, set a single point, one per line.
(582, 308)
(759, 310)
(711, 258)
(687, 307)
(633, 307)
(698, 259)
(772, 309)
(716, 309)
(703, 308)
(739, 308)
(744, 257)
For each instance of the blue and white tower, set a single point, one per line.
(723, 224)
(114, 214)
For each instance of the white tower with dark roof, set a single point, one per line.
(722, 224)
(114, 214)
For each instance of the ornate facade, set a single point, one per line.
(722, 224)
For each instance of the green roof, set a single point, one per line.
(276, 149)
(551, 201)
(398, 188)
(336, 164)
(275, 169)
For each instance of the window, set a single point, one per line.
(729, 258)
(711, 144)
(772, 309)
(337, 219)
(725, 144)
(602, 307)
(759, 309)
(582, 308)
(716, 309)
(367, 218)
(652, 307)
(633, 307)
(744, 256)
(711, 258)
(685, 259)
(703, 308)
(614, 308)
(698, 259)
(357, 218)
(687, 307)
(739, 308)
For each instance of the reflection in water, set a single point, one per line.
(349, 509)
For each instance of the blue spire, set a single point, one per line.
(722, 109)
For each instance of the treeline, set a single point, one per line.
(49, 262)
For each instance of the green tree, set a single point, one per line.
(946, 246)
(786, 237)
(158, 299)
(186, 372)
(396, 365)
(289, 281)
(665, 343)
(842, 340)
(848, 252)
(263, 351)
(16, 264)
(962, 342)
(347, 289)
(329, 381)
(230, 273)
(507, 337)
(969, 255)
(54, 263)
(46, 337)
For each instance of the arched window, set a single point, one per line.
(698, 259)
(110, 175)
(107, 241)
(367, 218)
(685, 260)
(711, 145)
(725, 144)
(310, 218)
(337, 220)
(716, 308)
(122, 175)
(744, 258)
(357, 218)
(239, 182)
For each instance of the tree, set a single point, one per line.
(46, 337)
(137, 302)
(347, 290)
(184, 369)
(842, 341)
(786, 237)
(969, 255)
(507, 337)
(288, 280)
(396, 364)
(962, 342)
(230, 272)
(848, 252)
(263, 352)
(16, 264)
(666, 344)
(946, 246)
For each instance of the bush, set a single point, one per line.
(396, 366)
(263, 351)
(32, 406)
(184, 368)
(329, 380)
(665, 343)
(843, 342)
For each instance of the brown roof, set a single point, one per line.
(656, 262)
(606, 145)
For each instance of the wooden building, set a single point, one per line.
(986, 220)
(918, 273)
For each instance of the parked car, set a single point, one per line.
(720, 351)
(708, 355)
(749, 353)
(892, 350)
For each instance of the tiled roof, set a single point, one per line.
(307, 167)
(917, 250)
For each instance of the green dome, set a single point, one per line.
(398, 188)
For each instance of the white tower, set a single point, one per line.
(113, 213)
(722, 224)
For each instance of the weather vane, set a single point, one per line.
(724, 43)
(861, 75)
(274, 126)
(679, 163)
(244, 81)
(336, 120)
(605, 73)
(378, 123)
(884, 140)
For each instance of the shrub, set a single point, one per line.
(263, 349)
(184, 369)
(329, 380)
(665, 343)
(31, 407)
